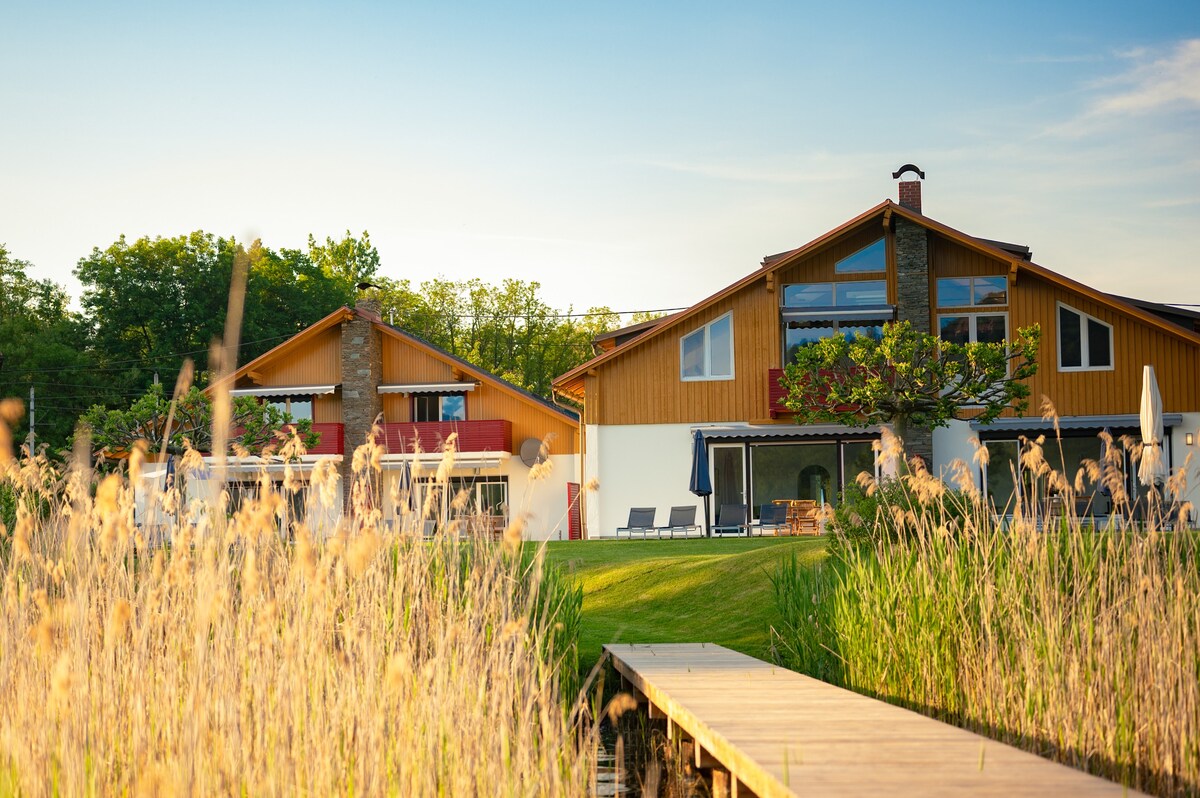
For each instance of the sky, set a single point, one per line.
(634, 155)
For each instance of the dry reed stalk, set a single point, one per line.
(233, 661)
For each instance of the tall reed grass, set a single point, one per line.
(1077, 643)
(233, 661)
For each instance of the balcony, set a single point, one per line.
(331, 439)
(473, 436)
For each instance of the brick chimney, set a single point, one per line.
(912, 287)
(362, 371)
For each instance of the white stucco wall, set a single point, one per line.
(639, 465)
(1179, 454)
(954, 443)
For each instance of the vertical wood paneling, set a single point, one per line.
(318, 363)
(643, 386)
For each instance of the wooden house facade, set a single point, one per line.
(357, 378)
(715, 366)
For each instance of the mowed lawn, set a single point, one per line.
(679, 591)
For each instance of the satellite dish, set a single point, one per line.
(531, 452)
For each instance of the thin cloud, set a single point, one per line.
(743, 173)
(1169, 82)
(1057, 59)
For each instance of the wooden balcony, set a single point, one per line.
(494, 435)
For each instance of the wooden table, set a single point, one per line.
(801, 516)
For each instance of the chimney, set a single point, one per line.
(911, 246)
(362, 365)
(910, 190)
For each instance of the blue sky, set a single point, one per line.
(625, 154)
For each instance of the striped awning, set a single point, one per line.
(1096, 423)
(786, 431)
(285, 390)
(428, 387)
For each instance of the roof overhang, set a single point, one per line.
(428, 387)
(786, 431)
(1039, 425)
(285, 390)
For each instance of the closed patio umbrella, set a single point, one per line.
(1152, 469)
(700, 484)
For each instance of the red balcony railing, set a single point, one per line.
(493, 435)
(776, 393)
(330, 435)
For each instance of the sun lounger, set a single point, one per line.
(772, 518)
(683, 520)
(641, 519)
(732, 520)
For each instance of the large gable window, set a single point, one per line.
(707, 353)
(1084, 343)
(871, 258)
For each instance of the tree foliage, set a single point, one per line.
(254, 426)
(43, 346)
(909, 378)
(507, 328)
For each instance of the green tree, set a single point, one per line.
(44, 346)
(254, 426)
(909, 378)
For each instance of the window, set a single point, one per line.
(439, 407)
(707, 353)
(1084, 343)
(855, 294)
(962, 292)
(871, 258)
(300, 407)
(968, 328)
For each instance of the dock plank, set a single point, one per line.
(781, 733)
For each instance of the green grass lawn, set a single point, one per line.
(679, 591)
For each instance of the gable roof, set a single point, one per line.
(345, 314)
(1018, 261)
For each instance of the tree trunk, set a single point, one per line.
(916, 440)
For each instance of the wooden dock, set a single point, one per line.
(767, 731)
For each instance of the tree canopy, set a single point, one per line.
(147, 304)
(254, 426)
(909, 378)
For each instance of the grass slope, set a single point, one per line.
(679, 591)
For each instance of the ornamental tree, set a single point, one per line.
(255, 426)
(909, 379)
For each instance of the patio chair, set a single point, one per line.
(771, 518)
(805, 518)
(732, 519)
(641, 519)
(683, 519)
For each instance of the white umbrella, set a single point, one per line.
(1152, 469)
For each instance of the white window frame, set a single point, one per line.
(708, 376)
(1085, 354)
(974, 338)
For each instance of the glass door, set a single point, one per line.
(728, 476)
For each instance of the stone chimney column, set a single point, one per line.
(362, 372)
(912, 289)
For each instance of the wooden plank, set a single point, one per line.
(779, 733)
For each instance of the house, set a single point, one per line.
(351, 370)
(715, 367)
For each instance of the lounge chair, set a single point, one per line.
(732, 519)
(805, 518)
(772, 518)
(683, 519)
(641, 519)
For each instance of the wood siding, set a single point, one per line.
(318, 363)
(643, 385)
(406, 364)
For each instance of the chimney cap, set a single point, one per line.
(908, 167)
